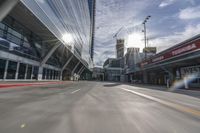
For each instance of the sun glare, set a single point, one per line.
(135, 40)
(67, 38)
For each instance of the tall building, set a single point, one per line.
(132, 57)
(92, 7)
(113, 70)
(120, 48)
(47, 40)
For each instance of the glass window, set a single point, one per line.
(2, 68)
(15, 33)
(12, 66)
(51, 74)
(54, 74)
(22, 71)
(44, 73)
(35, 72)
(26, 43)
(48, 74)
(14, 36)
(2, 26)
(29, 72)
(58, 75)
(1, 33)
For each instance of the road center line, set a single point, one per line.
(166, 103)
(75, 91)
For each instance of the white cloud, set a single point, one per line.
(113, 14)
(166, 3)
(110, 17)
(168, 41)
(190, 13)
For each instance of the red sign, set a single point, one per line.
(173, 53)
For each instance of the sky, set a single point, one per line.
(171, 22)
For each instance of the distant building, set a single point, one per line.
(98, 74)
(150, 51)
(113, 69)
(132, 57)
(178, 66)
(120, 48)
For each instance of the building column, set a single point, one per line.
(40, 72)
(72, 73)
(170, 75)
(17, 71)
(50, 53)
(26, 71)
(80, 70)
(6, 68)
(32, 72)
(61, 73)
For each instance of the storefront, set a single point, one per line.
(192, 73)
(178, 63)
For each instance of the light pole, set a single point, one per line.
(145, 34)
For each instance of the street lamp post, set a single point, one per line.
(145, 35)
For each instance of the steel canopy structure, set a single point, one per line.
(66, 17)
(47, 40)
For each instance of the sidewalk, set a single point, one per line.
(191, 91)
(11, 84)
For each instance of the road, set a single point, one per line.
(97, 107)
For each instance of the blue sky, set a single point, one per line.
(172, 21)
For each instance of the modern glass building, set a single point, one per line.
(47, 40)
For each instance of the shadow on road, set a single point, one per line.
(112, 84)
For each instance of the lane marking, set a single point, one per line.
(166, 103)
(75, 91)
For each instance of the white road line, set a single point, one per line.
(166, 103)
(75, 91)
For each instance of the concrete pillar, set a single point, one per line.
(72, 73)
(50, 53)
(6, 68)
(32, 72)
(40, 72)
(61, 73)
(17, 71)
(186, 82)
(26, 71)
(171, 76)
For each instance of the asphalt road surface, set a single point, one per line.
(97, 107)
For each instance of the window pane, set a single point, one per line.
(29, 72)
(54, 74)
(12, 66)
(2, 26)
(2, 68)
(48, 74)
(44, 73)
(22, 71)
(51, 74)
(35, 72)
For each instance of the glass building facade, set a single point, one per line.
(67, 17)
(34, 27)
